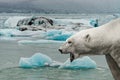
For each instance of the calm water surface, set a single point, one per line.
(11, 51)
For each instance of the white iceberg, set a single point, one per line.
(12, 21)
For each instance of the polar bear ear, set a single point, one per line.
(87, 37)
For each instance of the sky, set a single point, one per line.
(70, 5)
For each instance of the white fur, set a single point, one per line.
(104, 39)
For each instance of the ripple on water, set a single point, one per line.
(48, 73)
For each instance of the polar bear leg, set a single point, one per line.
(113, 66)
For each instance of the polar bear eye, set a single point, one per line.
(69, 42)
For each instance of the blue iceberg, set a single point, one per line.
(37, 60)
(53, 32)
(94, 23)
(80, 63)
(42, 60)
(58, 35)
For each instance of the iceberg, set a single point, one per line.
(42, 60)
(53, 32)
(58, 35)
(68, 22)
(80, 63)
(37, 60)
(12, 21)
(34, 23)
(94, 23)
(17, 33)
(8, 32)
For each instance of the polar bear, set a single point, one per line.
(102, 40)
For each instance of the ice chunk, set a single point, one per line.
(17, 33)
(37, 60)
(55, 64)
(94, 23)
(25, 63)
(58, 35)
(42, 60)
(50, 35)
(68, 22)
(12, 21)
(8, 32)
(53, 32)
(80, 63)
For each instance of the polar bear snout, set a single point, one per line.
(60, 50)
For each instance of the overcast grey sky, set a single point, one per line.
(80, 5)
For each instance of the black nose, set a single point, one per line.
(60, 50)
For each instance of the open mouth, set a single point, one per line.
(72, 57)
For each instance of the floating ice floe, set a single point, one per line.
(8, 32)
(39, 41)
(17, 33)
(68, 22)
(58, 35)
(80, 63)
(37, 60)
(42, 60)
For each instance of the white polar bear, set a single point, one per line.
(102, 40)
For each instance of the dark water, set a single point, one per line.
(11, 51)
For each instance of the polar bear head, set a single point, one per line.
(82, 43)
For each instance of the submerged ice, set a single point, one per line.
(42, 60)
